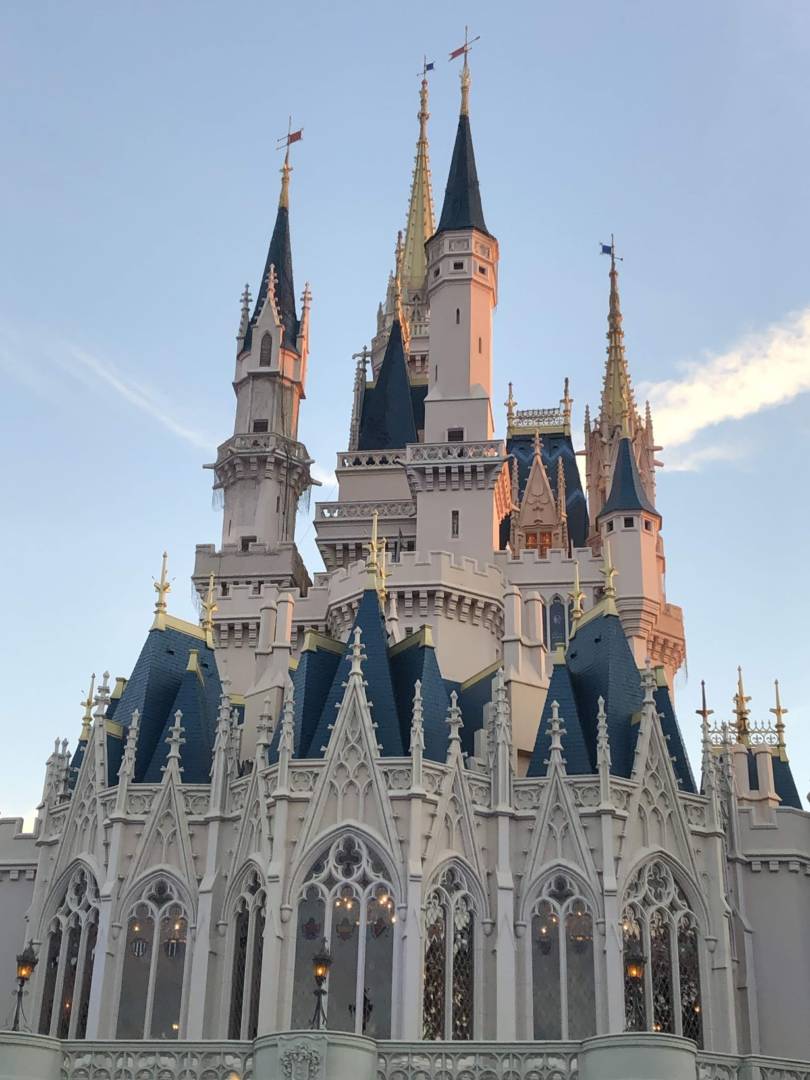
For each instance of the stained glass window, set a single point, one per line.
(240, 946)
(557, 634)
(661, 956)
(69, 959)
(448, 1001)
(348, 901)
(563, 987)
(247, 945)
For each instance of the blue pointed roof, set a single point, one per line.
(462, 198)
(198, 731)
(387, 419)
(411, 659)
(311, 681)
(672, 733)
(555, 446)
(784, 783)
(153, 689)
(577, 756)
(279, 255)
(626, 490)
(601, 664)
(377, 674)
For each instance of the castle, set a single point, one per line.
(452, 758)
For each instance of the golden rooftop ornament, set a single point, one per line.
(87, 705)
(741, 711)
(209, 606)
(779, 712)
(162, 588)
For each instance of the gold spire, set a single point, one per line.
(779, 712)
(618, 405)
(286, 142)
(384, 574)
(510, 404)
(399, 310)
(464, 50)
(87, 705)
(577, 596)
(420, 224)
(209, 606)
(609, 572)
(741, 711)
(162, 588)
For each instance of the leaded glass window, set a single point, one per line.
(448, 1002)
(155, 965)
(71, 942)
(563, 984)
(557, 629)
(247, 947)
(661, 956)
(348, 900)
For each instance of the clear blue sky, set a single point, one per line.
(137, 195)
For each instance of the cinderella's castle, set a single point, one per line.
(445, 775)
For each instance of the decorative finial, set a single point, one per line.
(87, 705)
(417, 718)
(577, 596)
(503, 724)
(538, 446)
(162, 588)
(284, 143)
(566, 401)
(264, 732)
(602, 740)
(463, 50)
(648, 681)
(455, 725)
(127, 767)
(609, 572)
(704, 712)
(384, 573)
(741, 711)
(244, 316)
(358, 656)
(286, 744)
(779, 712)
(209, 606)
(510, 404)
(174, 741)
(556, 731)
(372, 561)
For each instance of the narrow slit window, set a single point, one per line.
(454, 523)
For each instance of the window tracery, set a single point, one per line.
(563, 982)
(448, 1002)
(348, 900)
(69, 956)
(661, 956)
(154, 967)
(246, 965)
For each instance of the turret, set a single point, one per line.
(462, 290)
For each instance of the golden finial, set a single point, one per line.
(284, 143)
(373, 546)
(741, 710)
(609, 572)
(209, 606)
(510, 410)
(779, 712)
(566, 401)
(463, 50)
(577, 595)
(162, 588)
(384, 573)
(399, 310)
(87, 705)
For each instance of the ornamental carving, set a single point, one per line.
(300, 1062)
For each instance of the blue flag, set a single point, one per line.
(428, 67)
(607, 249)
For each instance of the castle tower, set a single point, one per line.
(618, 415)
(262, 469)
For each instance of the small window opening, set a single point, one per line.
(247, 541)
(454, 523)
(455, 434)
(480, 345)
(223, 588)
(458, 265)
(629, 522)
(648, 526)
(609, 527)
(482, 270)
(265, 351)
(458, 316)
(259, 425)
(436, 271)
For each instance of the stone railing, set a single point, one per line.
(474, 1060)
(430, 453)
(339, 511)
(755, 1067)
(370, 459)
(264, 441)
(537, 420)
(162, 1061)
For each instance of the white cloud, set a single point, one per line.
(686, 460)
(763, 370)
(325, 476)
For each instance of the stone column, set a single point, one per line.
(29, 1057)
(643, 1055)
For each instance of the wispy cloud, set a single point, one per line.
(761, 371)
(685, 460)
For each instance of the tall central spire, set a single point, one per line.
(462, 198)
(618, 405)
(421, 225)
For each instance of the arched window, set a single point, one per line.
(563, 984)
(448, 1006)
(69, 955)
(557, 631)
(265, 350)
(246, 967)
(347, 899)
(661, 956)
(154, 966)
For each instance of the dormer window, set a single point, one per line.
(260, 426)
(265, 351)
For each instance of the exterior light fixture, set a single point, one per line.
(634, 960)
(26, 962)
(321, 963)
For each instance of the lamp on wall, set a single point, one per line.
(321, 963)
(26, 962)
(634, 959)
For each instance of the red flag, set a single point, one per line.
(458, 52)
(295, 136)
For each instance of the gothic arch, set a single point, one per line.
(141, 884)
(532, 893)
(682, 877)
(244, 914)
(318, 848)
(472, 881)
(238, 880)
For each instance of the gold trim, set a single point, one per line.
(236, 699)
(423, 637)
(120, 686)
(473, 679)
(172, 622)
(293, 664)
(112, 727)
(314, 640)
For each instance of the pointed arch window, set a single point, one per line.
(557, 623)
(154, 967)
(661, 956)
(448, 1003)
(70, 953)
(265, 350)
(563, 982)
(348, 900)
(246, 963)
